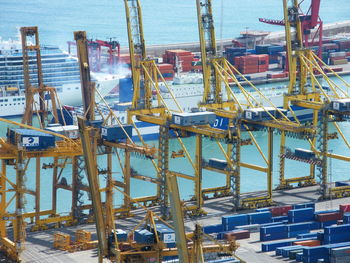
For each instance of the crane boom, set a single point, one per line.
(87, 86)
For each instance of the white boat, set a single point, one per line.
(60, 71)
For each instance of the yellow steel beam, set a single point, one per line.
(254, 167)
(309, 104)
(177, 174)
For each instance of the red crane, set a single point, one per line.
(309, 20)
(95, 53)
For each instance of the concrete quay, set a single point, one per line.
(39, 245)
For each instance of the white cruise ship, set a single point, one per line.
(60, 71)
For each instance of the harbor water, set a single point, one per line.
(164, 21)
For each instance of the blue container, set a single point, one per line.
(320, 236)
(260, 217)
(299, 226)
(301, 215)
(279, 251)
(299, 257)
(296, 233)
(125, 90)
(287, 250)
(31, 140)
(307, 235)
(229, 222)
(338, 238)
(213, 229)
(114, 133)
(121, 235)
(346, 218)
(273, 232)
(167, 235)
(95, 123)
(304, 205)
(279, 218)
(218, 163)
(340, 184)
(339, 229)
(271, 224)
(328, 223)
(272, 246)
(143, 236)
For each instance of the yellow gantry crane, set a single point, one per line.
(219, 98)
(35, 92)
(145, 74)
(305, 90)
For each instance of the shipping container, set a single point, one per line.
(325, 217)
(218, 163)
(143, 236)
(31, 140)
(341, 105)
(113, 133)
(263, 114)
(280, 210)
(229, 222)
(236, 235)
(272, 246)
(193, 118)
(260, 218)
(304, 154)
(343, 183)
(280, 218)
(213, 229)
(280, 250)
(70, 131)
(301, 215)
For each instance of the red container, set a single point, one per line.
(237, 235)
(329, 217)
(165, 66)
(280, 210)
(308, 243)
(344, 208)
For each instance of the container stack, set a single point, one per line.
(338, 58)
(342, 44)
(337, 234)
(301, 215)
(185, 58)
(247, 64)
(229, 222)
(232, 52)
(263, 62)
(272, 50)
(167, 71)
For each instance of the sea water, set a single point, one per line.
(164, 21)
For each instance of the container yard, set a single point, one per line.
(87, 184)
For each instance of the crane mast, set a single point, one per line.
(212, 85)
(137, 50)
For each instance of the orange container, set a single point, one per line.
(308, 243)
